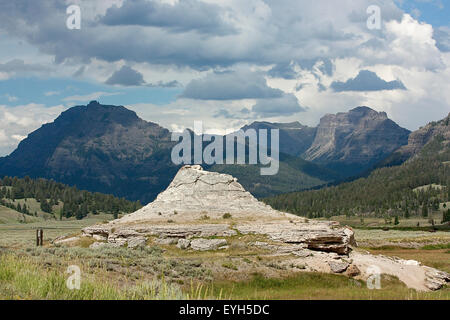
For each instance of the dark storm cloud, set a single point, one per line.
(189, 33)
(284, 106)
(367, 81)
(231, 85)
(194, 33)
(283, 70)
(186, 15)
(18, 65)
(127, 76)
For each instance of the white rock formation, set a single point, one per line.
(195, 192)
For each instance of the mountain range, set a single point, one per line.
(109, 149)
(421, 184)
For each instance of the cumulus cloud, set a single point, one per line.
(231, 85)
(283, 70)
(192, 33)
(19, 121)
(284, 106)
(126, 76)
(442, 37)
(367, 81)
(181, 16)
(19, 66)
(293, 45)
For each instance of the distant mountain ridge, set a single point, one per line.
(109, 149)
(418, 140)
(351, 142)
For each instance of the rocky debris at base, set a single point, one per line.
(208, 244)
(65, 240)
(352, 271)
(183, 243)
(136, 242)
(166, 241)
(99, 245)
(338, 267)
(436, 279)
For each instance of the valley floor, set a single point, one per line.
(165, 272)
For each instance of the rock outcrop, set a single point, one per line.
(355, 139)
(418, 139)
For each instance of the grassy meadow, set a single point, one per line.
(166, 272)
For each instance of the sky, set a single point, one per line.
(226, 63)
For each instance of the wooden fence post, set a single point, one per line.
(39, 237)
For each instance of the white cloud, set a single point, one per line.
(18, 122)
(271, 34)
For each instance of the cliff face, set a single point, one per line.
(353, 141)
(419, 138)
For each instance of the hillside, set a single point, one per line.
(386, 191)
(99, 148)
(294, 174)
(28, 200)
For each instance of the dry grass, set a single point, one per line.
(241, 272)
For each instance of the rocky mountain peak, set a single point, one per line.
(359, 137)
(419, 138)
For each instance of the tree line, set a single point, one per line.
(50, 194)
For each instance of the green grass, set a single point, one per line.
(8, 216)
(436, 246)
(307, 285)
(21, 279)
(14, 233)
(410, 224)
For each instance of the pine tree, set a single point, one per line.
(424, 210)
(446, 216)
